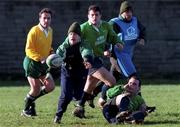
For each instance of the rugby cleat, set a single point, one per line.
(57, 120)
(33, 110)
(79, 112)
(122, 116)
(91, 103)
(26, 113)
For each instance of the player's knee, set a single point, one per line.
(50, 86)
(112, 83)
(35, 91)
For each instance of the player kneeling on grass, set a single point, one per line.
(37, 50)
(127, 106)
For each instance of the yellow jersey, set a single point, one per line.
(39, 44)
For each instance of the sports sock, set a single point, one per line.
(103, 91)
(28, 101)
(84, 98)
(98, 88)
(139, 94)
(42, 93)
(124, 104)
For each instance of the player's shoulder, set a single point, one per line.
(84, 25)
(134, 17)
(34, 29)
(138, 98)
(105, 24)
(50, 29)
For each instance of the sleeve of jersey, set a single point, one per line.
(115, 27)
(112, 36)
(30, 47)
(61, 50)
(140, 100)
(86, 52)
(142, 30)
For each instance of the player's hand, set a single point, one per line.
(119, 46)
(141, 42)
(107, 53)
(43, 60)
(87, 64)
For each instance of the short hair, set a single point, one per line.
(45, 10)
(136, 78)
(94, 8)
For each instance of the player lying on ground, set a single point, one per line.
(125, 105)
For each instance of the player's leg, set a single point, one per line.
(136, 117)
(79, 83)
(122, 101)
(115, 69)
(96, 74)
(88, 88)
(48, 84)
(35, 73)
(66, 95)
(87, 93)
(29, 109)
(110, 111)
(95, 92)
(105, 76)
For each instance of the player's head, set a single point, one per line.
(74, 33)
(94, 14)
(134, 84)
(126, 10)
(45, 16)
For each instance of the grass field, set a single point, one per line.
(165, 96)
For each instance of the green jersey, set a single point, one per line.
(83, 49)
(135, 103)
(97, 38)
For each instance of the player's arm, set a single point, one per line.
(142, 34)
(87, 54)
(115, 27)
(113, 38)
(30, 47)
(61, 50)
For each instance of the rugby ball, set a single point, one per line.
(54, 61)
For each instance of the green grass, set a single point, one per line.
(164, 96)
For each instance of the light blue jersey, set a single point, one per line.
(129, 35)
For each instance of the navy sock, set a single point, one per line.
(98, 89)
(42, 93)
(124, 104)
(103, 91)
(84, 98)
(28, 101)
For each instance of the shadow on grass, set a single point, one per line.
(9, 83)
(161, 122)
(165, 121)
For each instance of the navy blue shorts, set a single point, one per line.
(97, 63)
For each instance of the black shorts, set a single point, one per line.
(97, 63)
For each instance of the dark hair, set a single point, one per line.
(46, 10)
(94, 8)
(137, 78)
